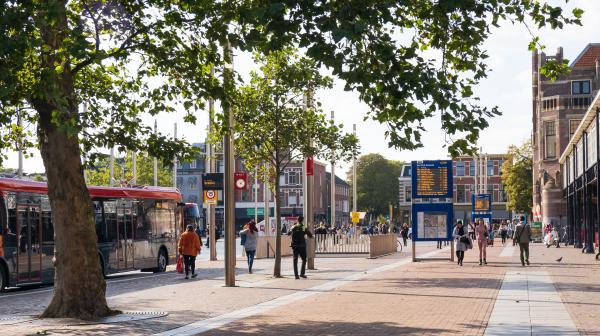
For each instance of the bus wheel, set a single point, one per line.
(3, 278)
(162, 261)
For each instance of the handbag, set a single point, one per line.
(179, 267)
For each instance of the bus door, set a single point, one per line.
(29, 252)
(125, 229)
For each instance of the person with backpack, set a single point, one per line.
(298, 233)
(249, 240)
(523, 238)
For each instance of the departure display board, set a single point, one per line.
(482, 202)
(432, 179)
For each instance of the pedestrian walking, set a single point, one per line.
(404, 233)
(250, 234)
(503, 233)
(523, 238)
(321, 233)
(472, 230)
(298, 233)
(461, 236)
(482, 233)
(189, 247)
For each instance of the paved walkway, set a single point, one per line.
(354, 296)
(528, 304)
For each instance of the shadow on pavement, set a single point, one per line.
(323, 328)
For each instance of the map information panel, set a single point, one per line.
(432, 179)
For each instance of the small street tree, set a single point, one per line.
(517, 177)
(273, 124)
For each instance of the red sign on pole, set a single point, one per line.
(310, 166)
(240, 180)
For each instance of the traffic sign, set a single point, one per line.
(210, 196)
(355, 217)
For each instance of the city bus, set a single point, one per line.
(137, 228)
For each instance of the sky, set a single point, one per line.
(508, 86)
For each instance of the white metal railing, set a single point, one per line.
(341, 243)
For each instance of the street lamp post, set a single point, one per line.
(332, 202)
(155, 159)
(229, 170)
(211, 168)
(308, 200)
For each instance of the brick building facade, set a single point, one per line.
(558, 107)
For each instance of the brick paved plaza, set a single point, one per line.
(350, 296)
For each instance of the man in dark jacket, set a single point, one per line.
(523, 237)
(298, 232)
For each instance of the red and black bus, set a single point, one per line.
(137, 228)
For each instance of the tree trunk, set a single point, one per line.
(277, 267)
(79, 287)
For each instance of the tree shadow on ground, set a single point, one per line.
(302, 327)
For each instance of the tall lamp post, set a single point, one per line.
(229, 191)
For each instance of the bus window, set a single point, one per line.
(3, 216)
(99, 220)
(110, 220)
(142, 224)
(47, 226)
(11, 209)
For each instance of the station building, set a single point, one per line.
(558, 106)
(580, 171)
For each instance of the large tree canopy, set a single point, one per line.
(85, 72)
(409, 60)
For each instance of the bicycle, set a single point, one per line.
(399, 244)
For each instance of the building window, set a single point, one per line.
(460, 168)
(461, 193)
(179, 165)
(490, 190)
(490, 168)
(573, 124)
(193, 182)
(292, 199)
(580, 87)
(293, 178)
(408, 194)
(180, 183)
(472, 168)
(550, 140)
(501, 194)
(500, 162)
(193, 164)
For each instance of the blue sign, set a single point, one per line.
(432, 179)
(481, 202)
(432, 221)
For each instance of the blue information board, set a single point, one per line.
(432, 221)
(481, 202)
(432, 179)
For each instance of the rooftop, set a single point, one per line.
(588, 56)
